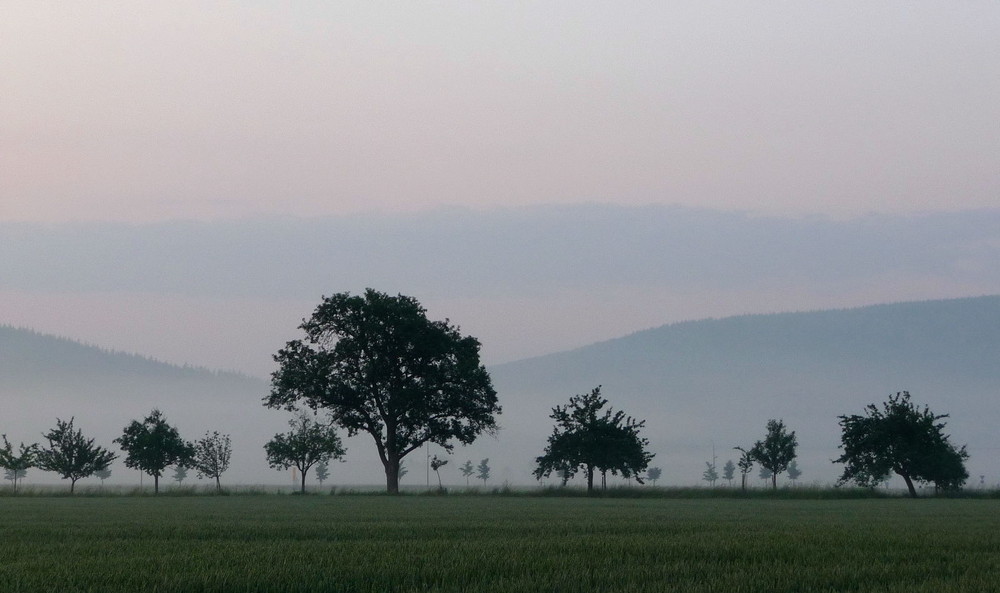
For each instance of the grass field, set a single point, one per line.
(495, 543)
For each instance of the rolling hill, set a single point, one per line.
(698, 385)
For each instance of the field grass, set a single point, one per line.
(496, 543)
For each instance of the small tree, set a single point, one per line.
(211, 456)
(71, 455)
(322, 472)
(467, 470)
(729, 472)
(654, 474)
(103, 474)
(13, 476)
(153, 445)
(21, 461)
(710, 474)
(776, 451)
(180, 474)
(307, 444)
(483, 470)
(793, 471)
(436, 465)
(765, 474)
(745, 464)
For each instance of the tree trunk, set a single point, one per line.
(590, 479)
(72, 484)
(303, 474)
(604, 480)
(774, 480)
(392, 474)
(218, 485)
(743, 482)
(156, 483)
(909, 485)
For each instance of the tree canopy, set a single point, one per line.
(585, 438)
(899, 437)
(153, 445)
(379, 366)
(71, 455)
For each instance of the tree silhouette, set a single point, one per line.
(793, 471)
(71, 455)
(211, 456)
(710, 474)
(436, 465)
(729, 472)
(745, 464)
(322, 472)
(776, 451)
(307, 444)
(152, 446)
(899, 437)
(467, 470)
(483, 470)
(180, 474)
(379, 366)
(20, 461)
(586, 438)
(654, 474)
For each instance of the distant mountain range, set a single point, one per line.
(698, 384)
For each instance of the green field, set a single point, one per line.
(495, 543)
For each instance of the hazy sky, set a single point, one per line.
(425, 119)
(143, 111)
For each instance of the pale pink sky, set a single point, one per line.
(140, 111)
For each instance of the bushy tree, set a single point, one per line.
(902, 438)
(211, 456)
(20, 460)
(710, 475)
(729, 472)
(71, 455)
(379, 366)
(153, 445)
(765, 474)
(307, 444)
(483, 470)
(589, 439)
(776, 451)
(654, 474)
(467, 470)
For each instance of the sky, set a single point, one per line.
(144, 114)
(149, 111)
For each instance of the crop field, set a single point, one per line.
(496, 543)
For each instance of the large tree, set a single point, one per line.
(307, 444)
(17, 461)
(900, 437)
(151, 446)
(379, 366)
(211, 456)
(71, 455)
(776, 451)
(589, 439)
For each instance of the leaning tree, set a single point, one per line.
(900, 438)
(378, 365)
